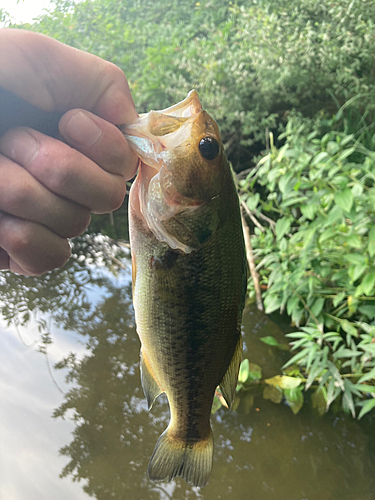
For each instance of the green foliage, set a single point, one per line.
(275, 389)
(253, 62)
(315, 256)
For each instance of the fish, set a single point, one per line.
(189, 279)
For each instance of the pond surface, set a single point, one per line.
(94, 430)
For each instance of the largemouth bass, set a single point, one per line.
(189, 279)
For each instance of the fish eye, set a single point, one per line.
(209, 148)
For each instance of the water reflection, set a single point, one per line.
(262, 451)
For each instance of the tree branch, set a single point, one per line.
(250, 260)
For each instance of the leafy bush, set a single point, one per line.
(252, 61)
(316, 255)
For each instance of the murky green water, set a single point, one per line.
(100, 422)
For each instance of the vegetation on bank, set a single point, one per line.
(291, 83)
(313, 201)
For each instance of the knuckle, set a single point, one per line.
(19, 241)
(59, 178)
(16, 196)
(55, 167)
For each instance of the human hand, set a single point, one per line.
(48, 187)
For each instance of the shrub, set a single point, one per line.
(316, 255)
(252, 61)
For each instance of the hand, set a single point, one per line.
(49, 187)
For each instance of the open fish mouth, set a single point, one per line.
(156, 132)
(154, 137)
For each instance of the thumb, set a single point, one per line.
(56, 77)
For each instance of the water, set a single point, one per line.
(98, 432)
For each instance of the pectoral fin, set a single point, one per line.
(229, 382)
(150, 387)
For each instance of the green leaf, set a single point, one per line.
(335, 374)
(255, 372)
(286, 183)
(367, 310)
(356, 271)
(366, 407)
(274, 394)
(371, 241)
(249, 372)
(282, 226)
(297, 357)
(368, 283)
(353, 241)
(317, 307)
(357, 190)
(252, 201)
(308, 235)
(291, 304)
(344, 199)
(347, 400)
(367, 389)
(244, 371)
(309, 211)
(283, 381)
(344, 154)
(274, 343)
(349, 328)
(319, 400)
(270, 341)
(334, 215)
(340, 297)
(332, 392)
(319, 158)
(294, 398)
(272, 303)
(367, 376)
(355, 258)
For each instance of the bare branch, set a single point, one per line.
(250, 260)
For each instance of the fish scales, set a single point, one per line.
(188, 290)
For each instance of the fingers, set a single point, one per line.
(100, 141)
(55, 77)
(23, 196)
(29, 248)
(68, 173)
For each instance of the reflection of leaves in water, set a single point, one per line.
(63, 291)
(107, 403)
(114, 435)
(114, 432)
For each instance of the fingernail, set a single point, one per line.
(81, 129)
(19, 146)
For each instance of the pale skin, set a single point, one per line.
(50, 186)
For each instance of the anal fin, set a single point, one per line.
(229, 381)
(150, 387)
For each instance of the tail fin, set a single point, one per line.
(173, 457)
